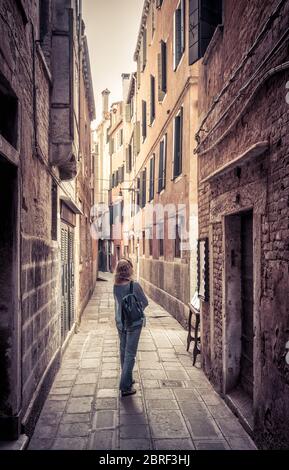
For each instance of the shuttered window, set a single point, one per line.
(138, 194)
(178, 140)
(144, 49)
(204, 17)
(179, 33)
(153, 100)
(143, 189)
(128, 158)
(162, 71)
(162, 164)
(144, 119)
(152, 178)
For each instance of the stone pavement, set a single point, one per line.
(175, 406)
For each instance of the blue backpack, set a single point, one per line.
(131, 310)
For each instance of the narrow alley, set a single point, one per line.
(175, 406)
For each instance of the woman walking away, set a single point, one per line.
(130, 302)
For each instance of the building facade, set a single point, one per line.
(243, 214)
(164, 227)
(46, 104)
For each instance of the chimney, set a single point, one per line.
(105, 100)
(125, 85)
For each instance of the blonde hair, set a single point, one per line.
(124, 271)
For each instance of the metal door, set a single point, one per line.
(246, 366)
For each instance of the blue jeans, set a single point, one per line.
(128, 347)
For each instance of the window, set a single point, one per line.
(111, 146)
(44, 7)
(150, 241)
(9, 113)
(143, 188)
(204, 18)
(144, 49)
(143, 242)
(162, 164)
(144, 120)
(138, 194)
(160, 237)
(152, 178)
(153, 98)
(153, 19)
(179, 33)
(178, 138)
(177, 242)
(162, 71)
(129, 158)
(120, 137)
(159, 3)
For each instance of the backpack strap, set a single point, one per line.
(131, 287)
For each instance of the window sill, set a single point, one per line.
(177, 178)
(161, 192)
(176, 67)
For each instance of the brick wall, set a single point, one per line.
(260, 114)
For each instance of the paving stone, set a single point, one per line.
(167, 424)
(73, 430)
(58, 397)
(104, 419)
(189, 395)
(131, 420)
(69, 443)
(110, 366)
(148, 356)
(173, 444)
(75, 418)
(177, 374)
(45, 431)
(83, 390)
(51, 418)
(211, 445)
(148, 383)
(86, 379)
(153, 374)
(108, 383)
(135, 444)
(211, 397)
(161, 404)
(144, 365)
(40, 444)
(159, 393)
(241, 443)
(107, 393)
(219, 411)
(60, 391)
(131, 405)
(137, 431)
(102, 440)
(231, 427)
(106, 404)
(51, 406)
(79, 405)
(109, 374)
(203, 427)
(63, 384)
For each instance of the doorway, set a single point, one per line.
(67, 278)
(10, 365)
(239, 311)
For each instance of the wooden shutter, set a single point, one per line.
(183, 23)
(161, 94)
(127, 159)
(152, 177)
(127, 113)
(164, 66)
(177, 164)
(138, 71)
(143, 188)
(144, 49)
(177, 41)
(152, 100)
(144, 119)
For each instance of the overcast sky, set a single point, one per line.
(111, 28)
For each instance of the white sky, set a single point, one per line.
(111, 28)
